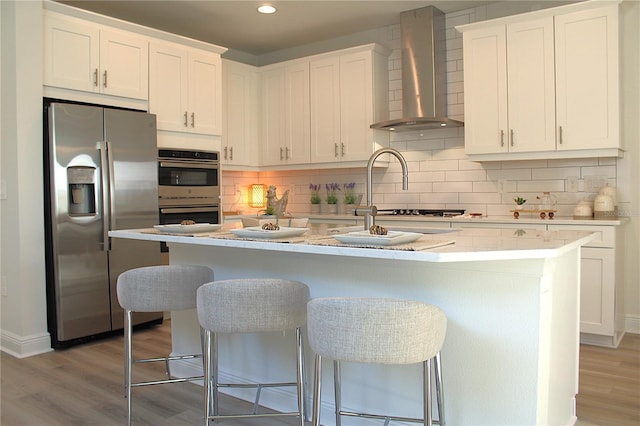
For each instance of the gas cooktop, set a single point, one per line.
(421, 212)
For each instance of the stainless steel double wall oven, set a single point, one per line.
(188, 186)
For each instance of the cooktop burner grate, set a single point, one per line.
(421, 212)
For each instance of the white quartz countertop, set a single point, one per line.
(468, 244)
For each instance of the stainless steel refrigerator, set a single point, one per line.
(101, 174)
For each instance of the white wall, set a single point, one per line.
(22, 264)
(441, 176)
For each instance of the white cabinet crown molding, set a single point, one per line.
(129, 26)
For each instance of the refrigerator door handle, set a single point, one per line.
(111, 223)
(106, 165)
(104, 183)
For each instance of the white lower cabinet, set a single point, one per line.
(602, 286)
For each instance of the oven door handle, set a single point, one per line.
(189, 210)
(189, 164)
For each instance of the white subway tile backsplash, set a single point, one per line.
(452, 186)
(479, 198)
(554, 173)
(465, 175)
(540, 186)
(438, 198)
(427, 176)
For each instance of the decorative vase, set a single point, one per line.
(315, 208)
(332, 208)
(348, 208)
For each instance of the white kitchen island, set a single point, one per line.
(511, 298)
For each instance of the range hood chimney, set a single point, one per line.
(424, 73)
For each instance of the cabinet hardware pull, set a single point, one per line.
(342, 149)
(501, 137)
(193, 119)
(104, 83)
(231, 153)
(281, 156)
(335, 150)
(511, 137)
(185, 119)
(95, 77)
(286, 152)
(560, 135)
(225, 152)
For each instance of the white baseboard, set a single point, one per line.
(632, 324)
(24, 346)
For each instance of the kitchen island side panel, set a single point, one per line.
(511, 324)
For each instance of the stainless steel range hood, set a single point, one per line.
(424, 73)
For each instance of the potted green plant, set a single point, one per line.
(519, 202)
(269, 211)
(332, 197)
(315, 198)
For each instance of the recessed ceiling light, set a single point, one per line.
(266, 9)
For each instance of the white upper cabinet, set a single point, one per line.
(349, 92)
(240, 115)
(587, 79)
(81, 55)
(285, 114)
(543, 85)
(185, 89)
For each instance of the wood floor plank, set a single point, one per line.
(83, 385)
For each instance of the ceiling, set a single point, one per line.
(237, 25)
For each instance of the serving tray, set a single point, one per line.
(364, 237)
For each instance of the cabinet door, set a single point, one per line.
(240, 126)
(168, 87)
(325, 110)
(273, 116)
(297, 116)
(124, 64)
(356, 106)
(531, 86)
(205, 97)
(587, 79)
(485, 90)
(597, 291)
(71, 53)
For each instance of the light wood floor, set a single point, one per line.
(83, 386)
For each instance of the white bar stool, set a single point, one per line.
(250, 306)
(380, 331)
(157, 289)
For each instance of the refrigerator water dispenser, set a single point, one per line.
(81, 180)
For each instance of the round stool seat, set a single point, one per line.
(374, 330)
(161, 288)
(380, 331)
(252, 305)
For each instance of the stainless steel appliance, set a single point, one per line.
(421, 212)
(100, 174)
(188, 186)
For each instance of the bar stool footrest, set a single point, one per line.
(388, 418)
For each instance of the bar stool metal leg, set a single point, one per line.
(128, 362)
(301, 377)
(439, 390)
(426, 392)
(317, 389)
(337, 386)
